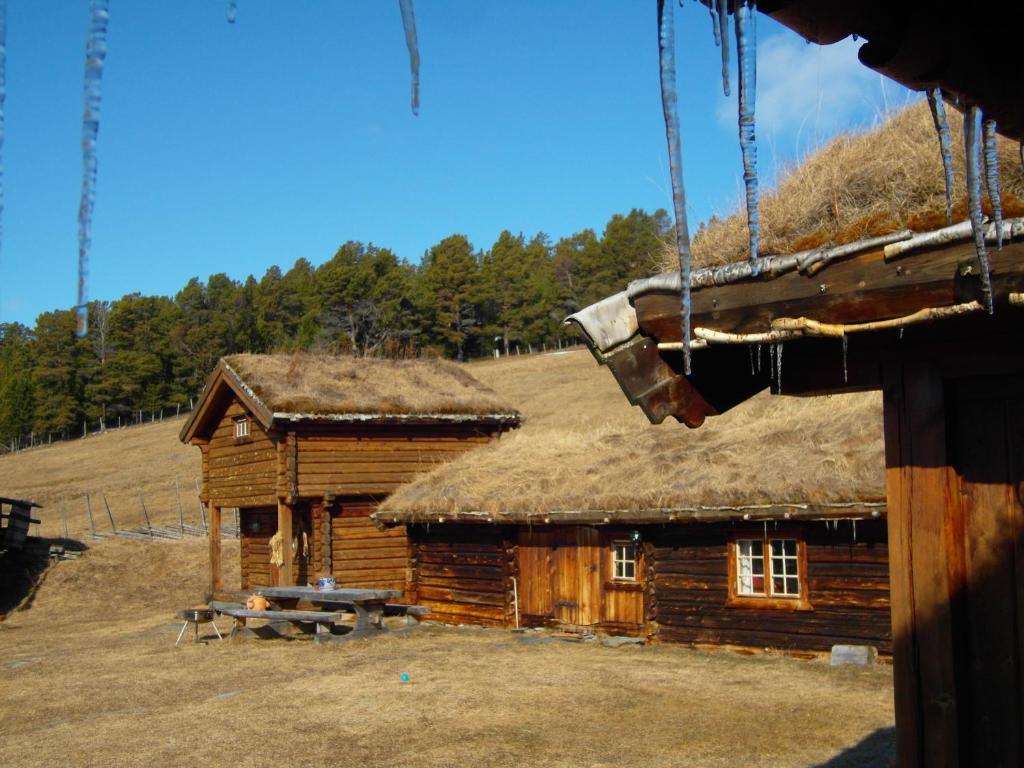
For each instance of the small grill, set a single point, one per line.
(195, 617)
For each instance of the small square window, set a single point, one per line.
(241, 427)
(624, 561)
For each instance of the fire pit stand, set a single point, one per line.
(195, 617)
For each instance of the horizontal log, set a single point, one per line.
(463, 597)
(467, 585)
(229, 500)
(462, 547)
(447, 570)
(691, 567)
(461, 558)
(371, 553)
(353, 488)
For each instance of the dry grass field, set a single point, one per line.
(89, 674)
(90, 677)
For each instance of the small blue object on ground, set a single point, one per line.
(404, 678)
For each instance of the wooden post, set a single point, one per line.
(955, 478)
(88, 511)
(109, 513)
(145, 513)
(202, 509)
(181, 513)
(64, 517)
(286, 575)
(216, 582)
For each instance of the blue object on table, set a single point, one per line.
(326, 582)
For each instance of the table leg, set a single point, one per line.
(183, 628)
(219, 635)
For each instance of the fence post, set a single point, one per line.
(109, 513)
(145, 513)
(202, 509)
(181, 514)
(88, 511)
(64, 517)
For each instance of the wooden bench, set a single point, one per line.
(323, 620)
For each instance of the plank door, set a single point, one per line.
(561, 573)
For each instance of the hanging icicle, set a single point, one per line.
(669, 106)
(231, 12)
(971, 147)
(716, 30)
(746, 53)
(409, 24)
(945, 144)
(3, 97)
(723, 38)
(988, 129)
(846, 349)
(95, 54)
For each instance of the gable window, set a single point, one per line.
(624, 561)
(241, 428)
(768, 571)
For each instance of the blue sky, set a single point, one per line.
(228, 148)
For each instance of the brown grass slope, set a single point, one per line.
(321, 384)
(120, 463)
(584, 448)
(860, 185)
(91, 677)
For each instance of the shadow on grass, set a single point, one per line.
(22, 570)
(876, 750)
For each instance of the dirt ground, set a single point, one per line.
(89, 675)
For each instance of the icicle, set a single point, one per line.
(716, 30)
(666, 49)
(723, 37)
(846, 374)
(750, 353)
(974, 201)
(988, 128)
(758, 357)
(945, 145)
(746, 53)
(3, 97)
(95, 54)
(231, 12)
(409, 23)
(778, 377)
(854, 531)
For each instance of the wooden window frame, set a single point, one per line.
(238, 421)
(635, 579)
(736, 599)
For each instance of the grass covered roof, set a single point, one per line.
(585, 449)
(327, 385)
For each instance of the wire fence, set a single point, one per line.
(97, 427)
(103, 522)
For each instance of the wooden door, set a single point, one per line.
(560, 569)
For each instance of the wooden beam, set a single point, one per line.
(216, 573)
(286, 573)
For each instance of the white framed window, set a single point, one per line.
(768, 570)
(241, 427)
(624, 561)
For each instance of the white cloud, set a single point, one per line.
(807, 93)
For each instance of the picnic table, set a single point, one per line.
(368, 605)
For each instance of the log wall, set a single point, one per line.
(255, 546)
(847, 582)
(463, 572)
(375, 460)
(361, 554)
(240, 472)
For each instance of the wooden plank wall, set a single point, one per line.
(464, 572)
(375, 461)
(255, 546)
(241, 473)
(361, 554)
(847, 582)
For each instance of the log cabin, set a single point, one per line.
(308, 446)
(930, 316)
(607, 525)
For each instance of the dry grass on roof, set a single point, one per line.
(860, 185)
(584, 448)
(321, 384)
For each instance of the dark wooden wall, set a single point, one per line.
(375, 460)
(361, 554)
(239, 473)
(848, 590)
(463, 572)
